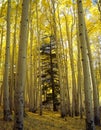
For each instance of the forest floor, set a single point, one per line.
(48, 121)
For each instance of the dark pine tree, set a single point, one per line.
(50, 72)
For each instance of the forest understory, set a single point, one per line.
(48, 121)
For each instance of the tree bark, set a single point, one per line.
(79, 77)
(87, 84)
(72, 69)
(39, 59)
(95, 91)
(13, 65)
(1, 42)
(6, 107)
(21, 70)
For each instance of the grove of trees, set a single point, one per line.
(50, 57)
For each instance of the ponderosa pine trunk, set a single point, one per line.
(87, 84)
(21, 70)
(6, 107)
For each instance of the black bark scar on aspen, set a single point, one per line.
(80, 34)
(23, 57)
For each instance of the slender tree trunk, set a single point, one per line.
(63, 112)
(28, 88)
(79, 77)
(95, 91)
(99, 7)
(31, 71)
(12, 75)
(31, 105)
(67, 84)
(64, 72)
(52, 78)
(72, 68)
(87, 84)
(1, 42)
(21, 70)
(35, 80)
(39, 63)
(75, 92)
(6, 106)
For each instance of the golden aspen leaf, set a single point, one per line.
(88, 3)
(44, 3)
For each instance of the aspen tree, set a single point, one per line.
(95, 91)
(99, 7)
(35, 79)
(1, 50)
(21, 70)
(39, 63)
(1, 42)
(67, 85)
(58, 58)
(63, 65)
(6, 106)
(72, 68)
(87, 84)
(31, 103)
(79, 77)
(13, 64)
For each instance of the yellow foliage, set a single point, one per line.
(46, 40)
(99, 88)
(87, 3)
(95, 13)
(45, 3)
(66, 2)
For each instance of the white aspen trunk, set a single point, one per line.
(6, 107)
(54, 33)
(28, 89)
(12, 75)
(79, 77)
(31, 78)
(87, 84)
(1, 67)
(74, 91)
(35, 80)
(67, 84)
(21, 70)
(95, 91)
(72, 69)
(39, 63)
(31, 105)
(63, 66)
(1, 42)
